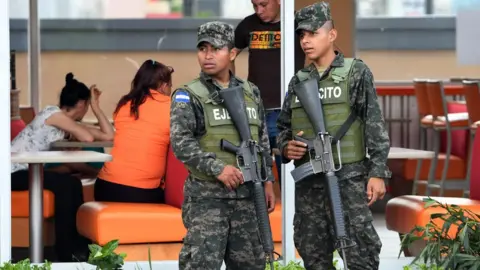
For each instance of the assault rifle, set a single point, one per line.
(247, 160)
(321, 159)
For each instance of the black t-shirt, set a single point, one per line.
(264, 60)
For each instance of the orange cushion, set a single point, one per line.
(456, 168)
(16, 126)
(21, 204)
(475, 173)
(403, 213)
(175, 177)
(130, 223)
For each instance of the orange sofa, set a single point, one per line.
(140, 227)
(403, 213)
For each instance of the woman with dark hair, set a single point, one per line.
(142, 136)
(57, 123)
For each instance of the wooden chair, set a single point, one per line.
(443, 121)
(425, 124)
(472, 99)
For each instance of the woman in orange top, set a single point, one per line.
(141, 140)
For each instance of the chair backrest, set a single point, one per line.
(27, 114)
(460, 138)
(175, 176)
(420, 88)
(475, 172)
(436, 98)
(472, 98)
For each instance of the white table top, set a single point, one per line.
(60, 157)
(407, 153)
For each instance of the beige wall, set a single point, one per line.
(113, 71)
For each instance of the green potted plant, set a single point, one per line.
(105, 257)
(458, 252)
(26, 265)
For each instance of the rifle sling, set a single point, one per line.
(345, 127)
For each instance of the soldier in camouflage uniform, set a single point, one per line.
(218, 211)
(346, 88)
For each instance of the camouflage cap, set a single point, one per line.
(312, 17)
(219, 34)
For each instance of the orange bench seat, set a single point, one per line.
(133, 223)
(130, 223)
(456, 168)
(403, 213)
(21, 204)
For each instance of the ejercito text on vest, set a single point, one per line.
(218, 124)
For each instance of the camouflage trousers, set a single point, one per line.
(220, 230)
(313, 230)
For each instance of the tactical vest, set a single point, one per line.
(218, 125)
(335, 96)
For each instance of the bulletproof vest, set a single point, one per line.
(218, 124)
(334, 93)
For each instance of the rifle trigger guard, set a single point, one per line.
(317, 163)
(339, 157)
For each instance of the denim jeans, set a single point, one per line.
(271, 117)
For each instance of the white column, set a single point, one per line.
(288, 186)
(34, 55)
(5, 194)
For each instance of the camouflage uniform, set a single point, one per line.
(313, 232)
(221, 224)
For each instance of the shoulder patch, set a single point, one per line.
(182, 96)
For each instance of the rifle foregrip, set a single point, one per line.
(262, 218)
(336, 205)
(228, 146)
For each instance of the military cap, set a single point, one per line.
(312, 17)
(218, 34)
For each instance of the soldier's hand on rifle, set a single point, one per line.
(231, 177)
(295, 149)
(375, 190)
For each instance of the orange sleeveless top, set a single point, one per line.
(140, 147)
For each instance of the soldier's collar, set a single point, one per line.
(213, 89)
(338, 61)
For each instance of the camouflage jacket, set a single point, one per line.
(363, 99)
(187, 126)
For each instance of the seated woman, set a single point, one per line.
(142, 135)
(52, 124)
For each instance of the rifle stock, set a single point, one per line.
(321, 158)
(247, 160)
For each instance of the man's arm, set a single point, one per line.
(263, 135)
(241, 41)
(183, 124)
(284, 122)
(232, 64)
(377, 139)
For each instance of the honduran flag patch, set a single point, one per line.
(182, 96)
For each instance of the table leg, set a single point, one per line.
(36, 212)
